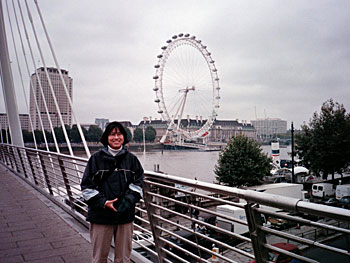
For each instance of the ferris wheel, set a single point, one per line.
(187, 87)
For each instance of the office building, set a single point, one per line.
(23, 118)
(268, 128)
(101, 122)
(60, 94)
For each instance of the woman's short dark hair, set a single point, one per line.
(109, 128)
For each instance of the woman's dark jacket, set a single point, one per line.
(107, 177)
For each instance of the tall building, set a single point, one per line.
(101, 122)
(60, 94)
(23, 118)
(269, 127)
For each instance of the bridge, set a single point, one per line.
(177, 219)
(43, 213)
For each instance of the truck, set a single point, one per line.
(232, 212)
(323, 190)
(342, 190)
(283, 189)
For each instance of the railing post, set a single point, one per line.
(2, 155)
(16, 157)
(257, 236)
(153, 222)
(22, 162)
(47, 179)
(10, 151)
(5, 152)
(66, 182)
(32, 168)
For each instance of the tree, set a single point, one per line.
(138, 135)
(59, 135)
(39, 136)
(150, 134)
(27, 136)
(75, 135)
(324, 145)
(128, 132)
(242, 163)
(93, 134)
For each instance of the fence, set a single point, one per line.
(185, 217)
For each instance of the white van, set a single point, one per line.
(342, 190)
(234, 212)
(323, 190)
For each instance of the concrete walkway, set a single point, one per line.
(33, 229)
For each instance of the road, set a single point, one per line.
(325, 256)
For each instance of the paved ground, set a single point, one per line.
(32, 231)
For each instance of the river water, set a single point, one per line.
(191, 164)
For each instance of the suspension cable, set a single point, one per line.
(29, 75)
(49, 82)
(20, 73)
(62, 80)
(39, 81)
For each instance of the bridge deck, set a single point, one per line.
(33, 229)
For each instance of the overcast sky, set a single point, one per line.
(277, 59)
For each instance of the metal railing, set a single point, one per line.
(185, 216)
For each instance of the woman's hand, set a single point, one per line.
(109, 204)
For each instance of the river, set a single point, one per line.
(191, 164)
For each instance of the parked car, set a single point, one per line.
(276, 257)
(281, 223)
(332, 202)
(344, 202)
(141, 238)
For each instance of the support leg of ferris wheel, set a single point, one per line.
(172, 122)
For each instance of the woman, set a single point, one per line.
(111, 186)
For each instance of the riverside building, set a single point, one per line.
(60, 94)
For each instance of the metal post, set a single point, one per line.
(292, 133)
(46, 176)
(153, 222)
(257, 236)
(22, 162)
(66, 182)
(31, 164)
(8, 87)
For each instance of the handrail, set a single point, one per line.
(176, 216)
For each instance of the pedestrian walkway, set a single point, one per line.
(33, 229)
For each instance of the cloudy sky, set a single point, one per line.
(277, 59)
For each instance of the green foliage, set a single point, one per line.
(324, 145)
(150, 134)
(138, 135)
(128, 132)
(27, 136)
(242, 163)
(93, 134)
(39, 136)
(74, 135)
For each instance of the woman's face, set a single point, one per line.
(115, 139)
